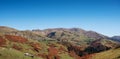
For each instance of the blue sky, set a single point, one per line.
(102, 16)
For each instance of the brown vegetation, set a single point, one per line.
(16, 38)
(73, 54)
(17, 47)
(36, 46)
(42, 55)
(52, 53)
(62, 49)
(2, 41)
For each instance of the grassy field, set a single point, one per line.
(111, 54)
(66, 56)
(13, 54)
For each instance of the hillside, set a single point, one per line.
(57, 43)
(111, 54)
(116, 38)
(6, 29)
(15, 47)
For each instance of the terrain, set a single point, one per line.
(116, 38)
(57, 43)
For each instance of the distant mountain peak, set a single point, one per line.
(116, 38)
(76, 29)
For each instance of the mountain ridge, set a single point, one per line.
(75, 43)
(46, 31)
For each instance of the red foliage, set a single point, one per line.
(36, 46)
(56, 57)
(2, 41)
(16, 38)
(89, 56)
(77, 49)
(53, 53)
(73, 54)
(17, 47)
(42, 55)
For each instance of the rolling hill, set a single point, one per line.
(57, 43)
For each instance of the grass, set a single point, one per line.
(7, 52)
(66, 56)
(13, 54)
(111, 54)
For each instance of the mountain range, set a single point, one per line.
(57, 43)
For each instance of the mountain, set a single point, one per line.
(80, 41)
(26, 33)
(116, 38)
(77, 32)
(6, 29)
(74, 35)
(56, 43)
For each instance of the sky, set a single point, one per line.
(102, 16)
